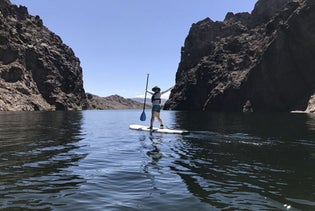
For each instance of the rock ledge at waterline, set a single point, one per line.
(266, 57)
(37, 71)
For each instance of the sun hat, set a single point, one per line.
(155, 88)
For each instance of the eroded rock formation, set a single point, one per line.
(37, 71)
(266, 57)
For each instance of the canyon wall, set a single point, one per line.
(37, 70)
(266, 57)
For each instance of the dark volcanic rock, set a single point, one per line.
(37, 71)
(265, 57)
(112, 102)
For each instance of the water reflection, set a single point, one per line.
(278, 125)
(37, 148)
(152, 150)
(155, 153)
(255, 161)
(310, 122)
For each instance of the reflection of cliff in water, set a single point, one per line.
(310, 122)
(36, 147)
(264, 157)
(284, 126)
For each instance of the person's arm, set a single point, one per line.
(150, 92)
(167, 90)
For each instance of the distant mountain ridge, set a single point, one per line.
(114, 102)
(139, 99)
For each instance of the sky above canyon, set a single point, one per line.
(119, 42)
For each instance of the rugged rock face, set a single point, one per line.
(112, 102)
(266, 57)
(37, 71)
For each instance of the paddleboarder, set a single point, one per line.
(156, 105)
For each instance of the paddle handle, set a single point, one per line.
(145, 94)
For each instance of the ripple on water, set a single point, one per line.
(80, 160)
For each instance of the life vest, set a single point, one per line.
(154, 98)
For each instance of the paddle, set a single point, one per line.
(143, 117)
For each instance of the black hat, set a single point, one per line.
(156, 88)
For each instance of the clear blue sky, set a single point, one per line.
(119, 41)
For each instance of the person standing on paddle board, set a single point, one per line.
(156, 105)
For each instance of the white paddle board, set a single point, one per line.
(155, 129)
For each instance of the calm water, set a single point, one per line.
(90, 160)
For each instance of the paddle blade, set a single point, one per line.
(142, 117)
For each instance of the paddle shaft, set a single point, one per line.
(145, 94)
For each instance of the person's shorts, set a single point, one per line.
(156, 108)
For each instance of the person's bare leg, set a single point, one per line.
(159, 119)
(152, 119)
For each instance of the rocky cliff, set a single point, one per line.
(37, 71)
(266, 57)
